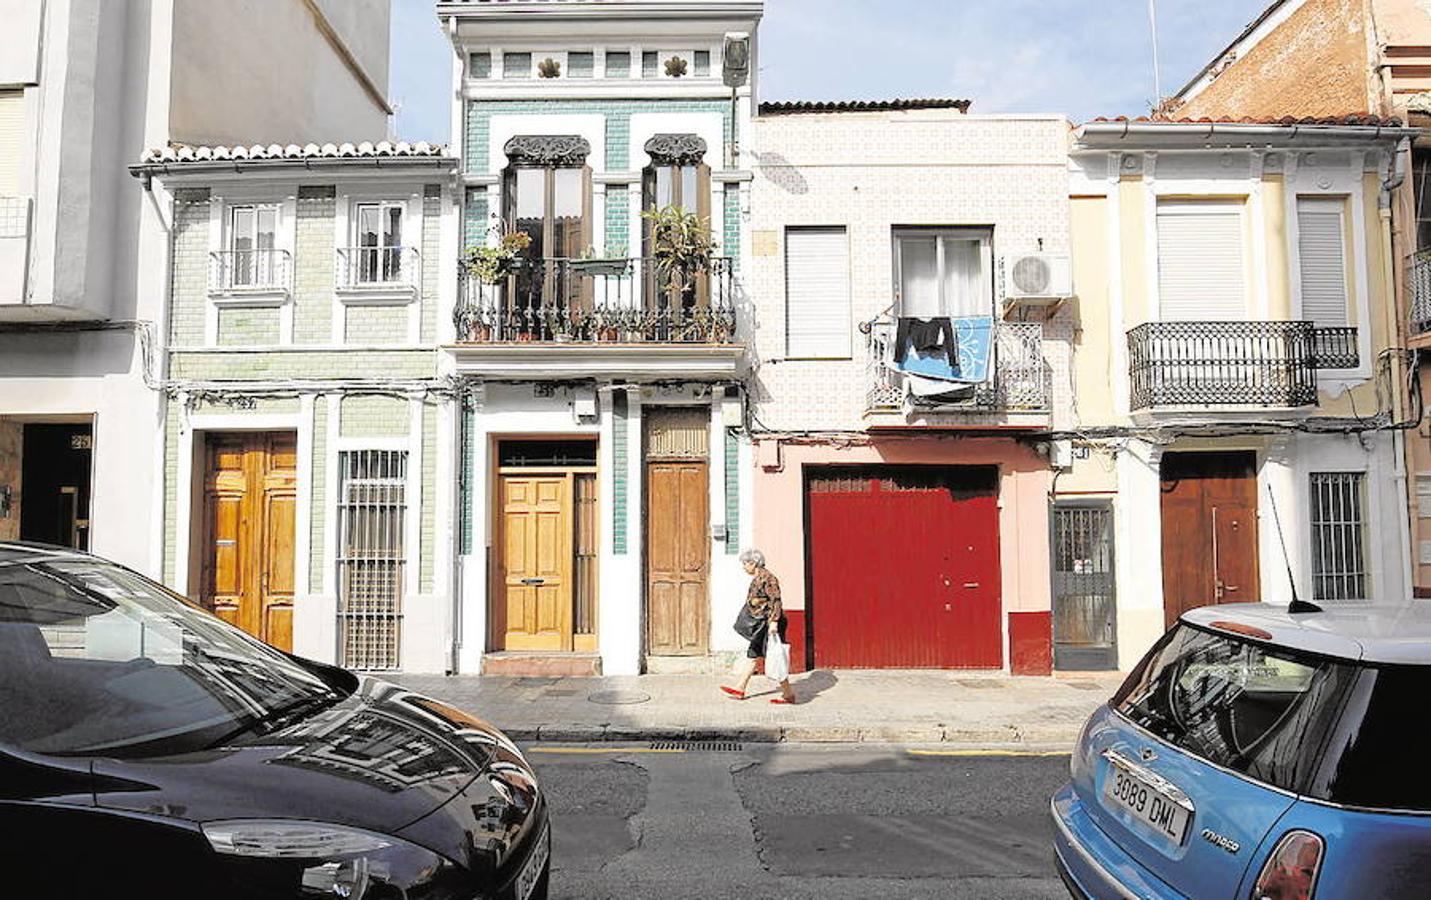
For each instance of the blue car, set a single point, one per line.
(1256, 752)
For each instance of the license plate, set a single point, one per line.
(1148, 797)
(536, 864)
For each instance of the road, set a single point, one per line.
(795, 821)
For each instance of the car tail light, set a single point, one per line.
(1291, 870)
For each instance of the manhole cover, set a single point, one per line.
(619, 698)
(710, 746)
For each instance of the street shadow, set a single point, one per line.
(813, 685)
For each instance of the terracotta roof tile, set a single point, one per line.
(792, 107)
(1352, 119)
(182, 153)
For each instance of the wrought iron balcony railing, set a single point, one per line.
(618, 301)
(1419, 272)
(377, 267)
(263, 269)
(1272, 364)
(1019, 376)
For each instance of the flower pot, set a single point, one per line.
(609, 268)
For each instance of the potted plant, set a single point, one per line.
(681, 247)
(492, 263)
(613, 263)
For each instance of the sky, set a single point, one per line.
(1082, 59)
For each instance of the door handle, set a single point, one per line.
(534, 581)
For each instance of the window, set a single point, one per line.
(252, 259)
(1322, 260)
(650, 64)
(618, 64)
(580, 65)
(517, 65)
(676, 176)
(479, 65)
(379, 243)
(1338, 559)
(817, 293)
(372, 558)
(546, 194)
(943, 272)
(701, 63)
(1200, 268)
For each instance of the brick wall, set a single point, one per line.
(1313, 64)
(243, 327)
(189, 275)
(433, 265)
(313, 266)
(869, 173)
(372, 416)
(369, 325)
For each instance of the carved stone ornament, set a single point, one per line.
(547, 150)
(676, 149)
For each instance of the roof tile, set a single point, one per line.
(182, 153)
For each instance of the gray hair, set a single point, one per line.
(753, 556)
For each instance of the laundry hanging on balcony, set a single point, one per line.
(932, 366)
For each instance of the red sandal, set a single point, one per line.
(739, 695)
(782, 701)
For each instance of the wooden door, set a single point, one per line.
(931, 599)
(535, 562)
(677, 558)
(1210, 545)
(250, 500)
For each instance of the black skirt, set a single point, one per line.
(756, 650)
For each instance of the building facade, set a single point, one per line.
(604, 489)
(85, 88)
(1235, 291)
(901, 495)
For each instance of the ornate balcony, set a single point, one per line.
(1263, 364)
(1018, 382)
(566, 317)
(1418, 267)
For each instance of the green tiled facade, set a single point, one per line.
(732, 491)
(432, 263)
(368, 416)
(371, 325)
(730, 241)
(619, 476)
(189, 274)
(428, 524)
(474, 218)
(318, 512)
(313, 266)
(618, 219)
(618, 123)
(308, 364)
(246, 327)
(469, 433)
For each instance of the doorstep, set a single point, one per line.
(537, 663)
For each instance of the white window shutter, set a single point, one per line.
(1200, 261)
(12, 124)
(817, 293)
(1321, 258)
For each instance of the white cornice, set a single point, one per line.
(607, 9)
(638, 362)
(598, 89)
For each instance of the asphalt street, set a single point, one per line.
(793, 821)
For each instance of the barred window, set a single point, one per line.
(372, 516)
(1338, 558)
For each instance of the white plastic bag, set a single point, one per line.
(777, 657)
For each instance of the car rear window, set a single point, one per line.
(1242, 705)
(1375, 757)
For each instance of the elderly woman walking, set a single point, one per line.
(761, 616)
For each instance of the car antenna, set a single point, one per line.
(1298, 605)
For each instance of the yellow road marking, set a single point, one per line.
(601, 750)
(987, 752)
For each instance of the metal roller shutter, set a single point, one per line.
(1200, 261)
(1322, 260)
(817, 293)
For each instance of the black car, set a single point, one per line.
(149, 749)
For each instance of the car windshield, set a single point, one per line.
(1333, 730)
(96, 660)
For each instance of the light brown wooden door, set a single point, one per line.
(250, 500)
(535, 562)
(1209, 514)
(677, 558)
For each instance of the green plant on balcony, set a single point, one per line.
(612, 263)
(491, 263)
(681, 247)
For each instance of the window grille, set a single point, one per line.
(1338, 559)
(372, 517)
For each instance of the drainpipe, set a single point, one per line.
(1395, 313)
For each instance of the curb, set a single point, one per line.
(1007, 736)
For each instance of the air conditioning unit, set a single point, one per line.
(1037, 278)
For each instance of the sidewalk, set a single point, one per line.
(918, 707)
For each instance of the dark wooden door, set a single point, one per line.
(904, 568)
(677, 558)
(250, 498)
(1209, 515)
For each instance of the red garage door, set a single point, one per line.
(904, 567)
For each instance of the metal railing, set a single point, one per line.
(360, 267)
(1233, 363)
(1418, 270)
(1019, 376)
(618, 301)
(261, 269)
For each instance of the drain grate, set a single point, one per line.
(706, 746)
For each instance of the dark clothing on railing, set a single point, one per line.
(926, 336)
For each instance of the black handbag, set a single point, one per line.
(747, 623)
